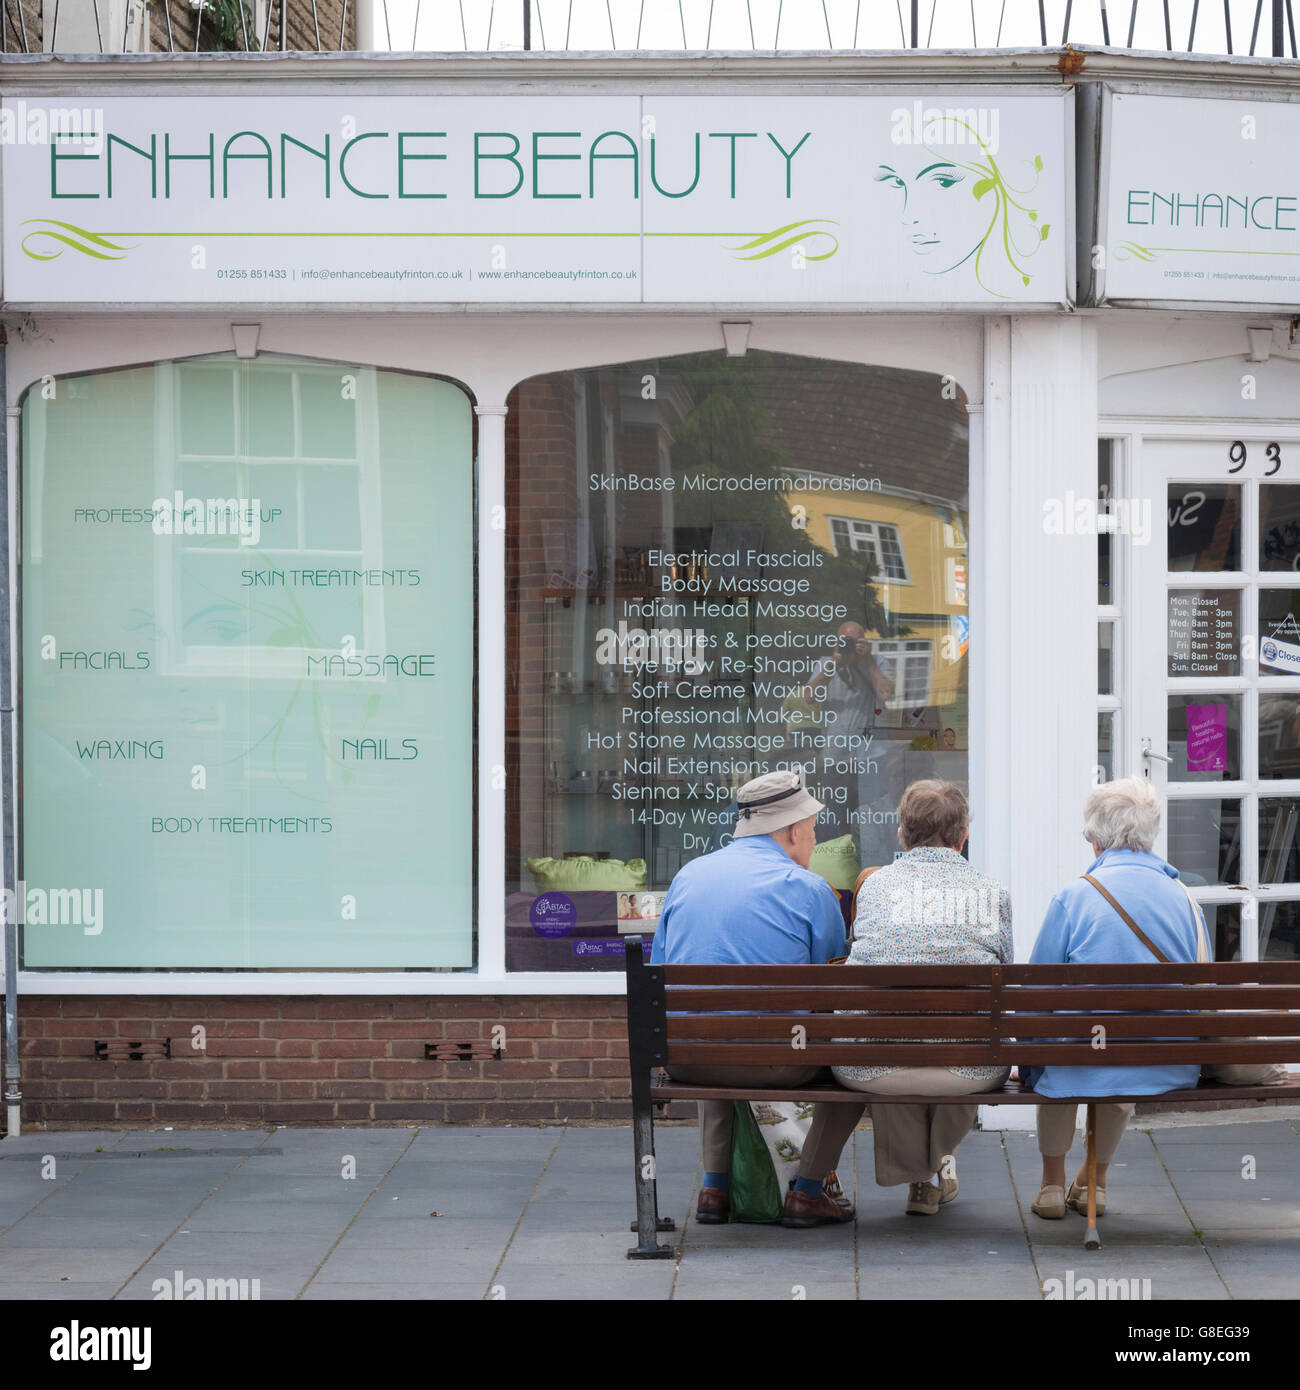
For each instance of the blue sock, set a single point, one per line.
(722, 1181)
(810, 1187)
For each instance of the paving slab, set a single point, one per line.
(760, 1288)
(43, 1231)
(456, 1291)
(1131, 1272)
(394, 1264)
(50, 1265)
(544, 1213)
(1256, 1264)
(68, 1289)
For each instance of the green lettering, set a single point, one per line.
(343, 173)
(227, 156)
(55, 157)
(151, 156)
(402, 156)
(479, 155)
(631, 153)
(538, 156)
(323, 155)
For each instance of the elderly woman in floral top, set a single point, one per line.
(929, 907)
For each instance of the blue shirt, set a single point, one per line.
(1082, 928)
(748, 903)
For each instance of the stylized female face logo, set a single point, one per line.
(942, 220)
(958, 206)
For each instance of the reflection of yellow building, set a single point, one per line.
(917, 548)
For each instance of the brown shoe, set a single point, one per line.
(712, 1206)
(1049, 1204)
(1077, 1199)
(814, 1211)
(922, 1199)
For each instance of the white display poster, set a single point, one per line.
(957, 198)
(1201, 200)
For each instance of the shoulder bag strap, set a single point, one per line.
(1129, 922)
(1202, 945)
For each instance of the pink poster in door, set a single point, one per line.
(1207, 738)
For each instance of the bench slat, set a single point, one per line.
(1207, 1093)
(934, 1054)
(1146, 1025)
(975, 975)
(1226, 972)
(1064, 998)
(777, 1027)
(1237, 972)
(845, 997)
(1084, 998)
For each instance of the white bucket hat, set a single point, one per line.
(772, 802)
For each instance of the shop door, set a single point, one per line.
(1215, 660)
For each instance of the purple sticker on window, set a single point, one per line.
(553, 914)
(1207, 738)
(605, 948)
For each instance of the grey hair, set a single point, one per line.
(1123, 814)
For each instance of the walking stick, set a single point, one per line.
(1091, 1240)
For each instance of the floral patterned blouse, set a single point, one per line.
(930, 907)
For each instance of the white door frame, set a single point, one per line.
(1204, 456)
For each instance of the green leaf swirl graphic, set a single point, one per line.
(78, 238)
(790, 235)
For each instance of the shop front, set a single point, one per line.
(436, 486)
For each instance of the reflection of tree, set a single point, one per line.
(725, 433)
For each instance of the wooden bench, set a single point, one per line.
(783, 1015)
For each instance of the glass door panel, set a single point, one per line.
(1216, 677)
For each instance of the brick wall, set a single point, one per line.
(541, 448)
(300, 33)
(323, 1060)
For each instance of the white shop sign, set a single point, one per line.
(916, 198)
(1202, 200)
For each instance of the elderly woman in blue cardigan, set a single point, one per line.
(1084, 927)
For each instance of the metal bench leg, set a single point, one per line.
(1091, 1240)
(647, 1223)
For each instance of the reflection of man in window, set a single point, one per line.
(852, 689)
(856, 688)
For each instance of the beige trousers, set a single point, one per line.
(717, 1116)
(911, 1141)
(1056, 1129)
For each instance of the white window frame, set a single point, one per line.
(903, 650)
(488, 355)
(873, 546)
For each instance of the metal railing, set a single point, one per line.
(1232, 27)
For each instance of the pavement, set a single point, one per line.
(1204, 1207)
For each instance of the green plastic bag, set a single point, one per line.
(755, 1193)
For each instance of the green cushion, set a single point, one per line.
(586, 875)
(836, 861)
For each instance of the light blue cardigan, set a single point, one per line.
(1082, 928)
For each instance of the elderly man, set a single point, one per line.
(754, 902)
